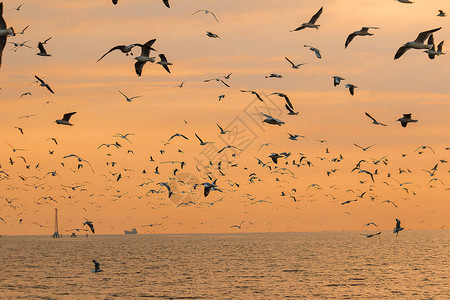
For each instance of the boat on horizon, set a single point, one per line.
(132, 231)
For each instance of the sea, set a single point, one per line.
(316, 265)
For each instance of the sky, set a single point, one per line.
(254, 40)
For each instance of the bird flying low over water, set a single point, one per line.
(406, 119)
(418, 43)
(398, 227)
(4, 32)
(90, 225)
(312, 22)
(362, 32)
(96, 263)
(65, 119)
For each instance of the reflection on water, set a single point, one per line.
(270, 265)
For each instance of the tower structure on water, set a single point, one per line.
(56, 231)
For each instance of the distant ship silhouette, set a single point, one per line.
(132, 231)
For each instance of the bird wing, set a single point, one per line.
(371, 117)
(401, 51)
(198, 11)
(199, 138)
(2, 21)
(221, 130)
(317, 52)
(316, 16)
(214, 16)
(49, 88)
(164, 59)
(258, 96)
(138, 66)
(42, 81)
(290, 61)
(2, 44)
(111, 50)
(166, 3)
(67, 116)
(41, 48)
(288, 102)
(424, 35)
(439, 48)
(288, 108)
(349, 39)
(223, 82)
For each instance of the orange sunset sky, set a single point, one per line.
(254, 39)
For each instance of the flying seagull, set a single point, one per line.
(42, 51)
(432, 52)
(125, 49)
(272, 120)
(65, 119)
(375, 121)
(43, 84)
(441, 13)
(91, 226)
(212, 35)
(217, 79)
(406, 119)
(364, 148)
(144, 57)
(129, 99)
(96, 263)
(337, 80)
(311, 23)
(206, 12)
(362, 32)
(418, 43)
(4, 32)
(294, 66)
(398, 227)
(315, 50)
(163, 62)
(254, 93)
(202, 143)
(351, 88)
(237, 226)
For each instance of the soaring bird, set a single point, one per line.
(364, 148)
(202, 143)
(315, 50)
(294, 66)
(375, 121)
(237, 226)
(271, 120)
(398, 227)
(129, 99)
(124, 48)
(406, 119)
(219, 80)
(144, 57)
(254, 93)
(91, 226)
(418, 43)
(212, 35)
(311, 23)
(362, 32)
(208, 187)
(206, 12)
(441, 13)
(43, 84)
(65, 119)
(4, 32)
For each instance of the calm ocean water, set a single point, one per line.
(341, 265)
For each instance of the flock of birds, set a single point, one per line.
(162, 176)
